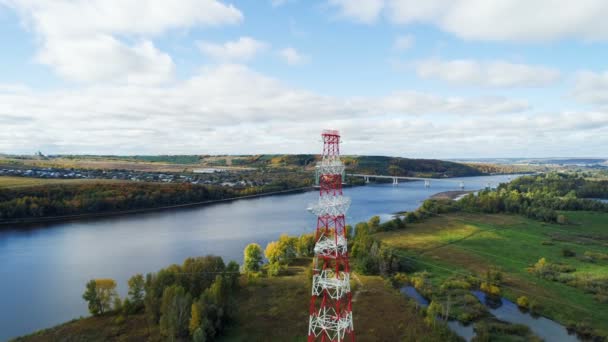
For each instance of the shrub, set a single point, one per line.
(490, 289)
(523, 302)
(400, 279)
(274, 269)
(566, 252)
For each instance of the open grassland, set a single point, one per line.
(474, 243)
(276, 309)
(20, 182)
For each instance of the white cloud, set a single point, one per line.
(496, 20)
(591, 87)
(230, 108)
(104, 58)
(365, 11)
(404, 42)
(243, 49)
(487, 74)
(291, 56)
(109, 40)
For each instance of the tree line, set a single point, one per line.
(195, 300)
(91, 198)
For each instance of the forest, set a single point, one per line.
(105, 197)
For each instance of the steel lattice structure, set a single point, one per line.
(331, 317)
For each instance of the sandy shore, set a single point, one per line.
(453, 195)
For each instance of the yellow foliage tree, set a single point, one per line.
(273, 251)
(106, 292)
(195, 319)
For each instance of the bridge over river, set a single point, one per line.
(427, 181)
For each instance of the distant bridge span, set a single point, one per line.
(427, 181)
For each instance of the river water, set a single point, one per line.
(44, 268)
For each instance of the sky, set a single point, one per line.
(423, 79)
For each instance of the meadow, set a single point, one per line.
(7, 182)
(459, 244)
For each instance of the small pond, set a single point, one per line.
(542, 327)
(464, 331)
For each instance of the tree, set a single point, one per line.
(175, 312)
(199, 335)
(136, 290)
(195, 319)
(252, 257)
(374, 224)
(106, 293)
(273, 252)
(306, 245)
(232, 275)
(90, 295)
(100, 295)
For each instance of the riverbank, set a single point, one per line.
(65, 218)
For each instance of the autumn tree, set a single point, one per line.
(195, 319)
(100, 295)
(252, 257)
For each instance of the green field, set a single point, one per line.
(18, 182)
(276, 309)
(473, 243)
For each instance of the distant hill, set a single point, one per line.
(383, 165)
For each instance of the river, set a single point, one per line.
(44, 267)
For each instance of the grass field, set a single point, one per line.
(465, 243)
(18, 182)
(276, 309)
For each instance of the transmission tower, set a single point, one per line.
(331, 317)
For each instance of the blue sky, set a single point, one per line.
(436, 79)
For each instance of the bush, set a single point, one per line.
(274, 269)
(568, 253)
(490, 289)
(523, 302)
(400, 279)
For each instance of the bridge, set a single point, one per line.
(427, 181)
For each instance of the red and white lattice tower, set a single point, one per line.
(331, 317)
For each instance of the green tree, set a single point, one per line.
(175, 312)
(199, 335)
(374, 224)
(252, 257)
(136, 290)
(90, 295)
